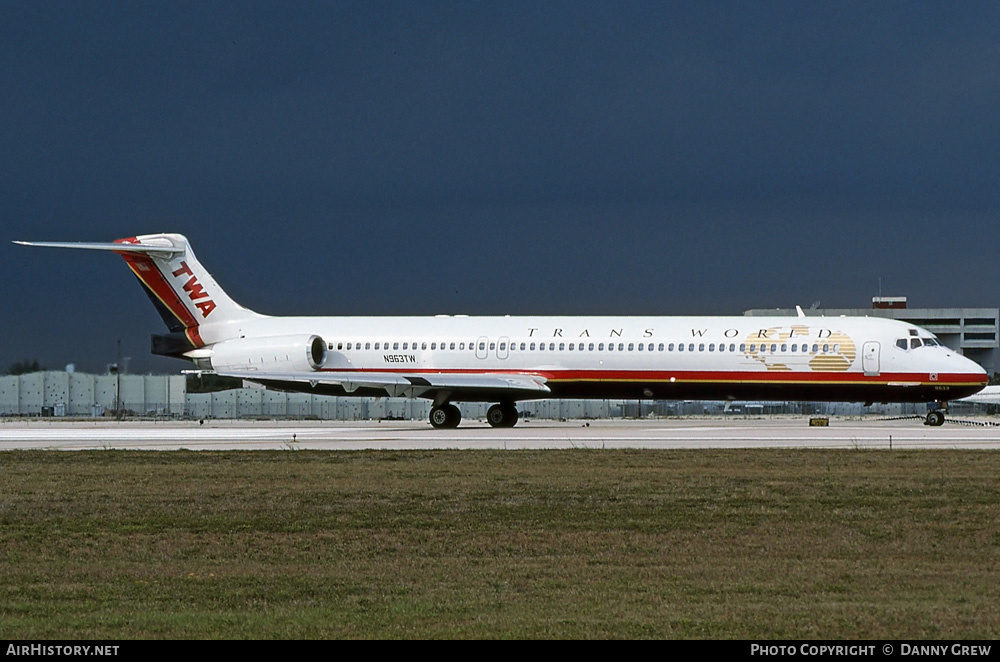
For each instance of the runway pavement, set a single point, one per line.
(414, 435)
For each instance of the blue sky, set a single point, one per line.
(495, 158)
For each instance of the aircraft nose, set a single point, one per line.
(969, 367)
(973, 367)
(964, 365)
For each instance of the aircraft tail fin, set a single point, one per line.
(183, 292)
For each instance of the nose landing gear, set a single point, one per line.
(935, 417)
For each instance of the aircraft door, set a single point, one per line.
(503, 346)
(869, 358)
(481, 347)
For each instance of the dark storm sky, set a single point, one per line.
(494, 158)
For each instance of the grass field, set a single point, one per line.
(549, 544)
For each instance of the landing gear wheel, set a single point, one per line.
(495, 416)
(934, 418)
(445, 416)
(502, 416)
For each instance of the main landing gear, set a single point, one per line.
(503, 415)
(445, 416)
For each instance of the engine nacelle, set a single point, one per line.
(300, 353)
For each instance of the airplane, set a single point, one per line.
(507, 359)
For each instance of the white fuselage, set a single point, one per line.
(799, 358)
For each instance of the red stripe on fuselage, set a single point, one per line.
(145, 269)
(642, 376)
(765, 377)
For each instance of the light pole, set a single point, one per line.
(118, 383)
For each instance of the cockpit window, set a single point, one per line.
(914, 342)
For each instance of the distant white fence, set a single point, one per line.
(80, 394)
(55, 393)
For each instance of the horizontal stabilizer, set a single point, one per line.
(120, 248)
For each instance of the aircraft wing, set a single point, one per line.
(516, 386)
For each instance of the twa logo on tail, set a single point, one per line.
(195, 290)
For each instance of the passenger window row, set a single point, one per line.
(752, 348)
